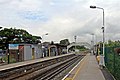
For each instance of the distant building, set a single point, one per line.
(25, 52)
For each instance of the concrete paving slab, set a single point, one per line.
(88, 69)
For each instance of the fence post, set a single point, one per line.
(106, 52)
(113, 62)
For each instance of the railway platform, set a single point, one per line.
(19, 64)
(87, 69)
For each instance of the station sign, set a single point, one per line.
(13, 46)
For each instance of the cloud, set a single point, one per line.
(2, 2)
(24, 5)
(62, 18)
(30, 15)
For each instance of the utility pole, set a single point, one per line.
(75, 37)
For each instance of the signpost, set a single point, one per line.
(13, 46)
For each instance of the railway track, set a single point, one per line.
(58, 72)
(46, 70)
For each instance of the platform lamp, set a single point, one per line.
(103, 29)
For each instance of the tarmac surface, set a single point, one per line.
(87, 69)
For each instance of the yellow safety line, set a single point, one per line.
(82, 64)
(68, 79)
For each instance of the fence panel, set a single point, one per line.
(112, 61)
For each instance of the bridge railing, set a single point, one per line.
(80, 44)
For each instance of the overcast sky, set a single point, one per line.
(62, 18)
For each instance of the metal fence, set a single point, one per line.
(112, 61)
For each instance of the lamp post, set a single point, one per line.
(43, 36)
(92, 43)
(103, 29)
(8, 54)
(75, 37)
(43, 45)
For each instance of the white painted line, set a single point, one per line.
(73, 69)
(27, 62)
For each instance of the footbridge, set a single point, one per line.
(86, 44)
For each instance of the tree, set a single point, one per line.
(65, 42)
(8, 36)
(113, 43)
